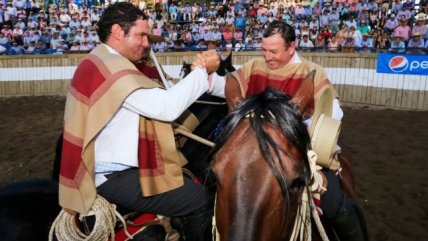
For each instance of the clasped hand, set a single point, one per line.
(208, 60)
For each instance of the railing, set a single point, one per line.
(353, 74)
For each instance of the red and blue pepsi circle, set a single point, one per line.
(398, 64)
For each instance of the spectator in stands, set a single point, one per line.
(348, 45)
(85, 46)
(257, 43)
(11, 12)
(304, 29)
(36, 36)
(397, 44)
(317, 9)
(212, 12)
(85, 23)
(237, 35)
(396, 6)
(373, 18)
(249, 43)
(391, 24)
(364, 14)
(325, 18)
(416, 42)
(228, 45)
(381, 23)
(333, 45)
(2, 50)
(74, 23)
(21, 24)
(404, 13)
(334, 20)
(366, 44)
(403, 30)
(17, 49)
(64, 17)
(252, 13)
(423, 6)
(216, 35)
(351, 22)
(342, 34)
(75, 46)
(94, 37)
(228, 34)
(262, 19)
(326, 34)
(313, 33)
(420, 26)
(306, 44)
(363, 27)
(187, 12)
(62, 46)
(55, 40)
(239, 46)
(17, 34)
(356, 35)
(382, 41)
(320, 43)
(3, 39)
(198, 46)
(31, 48)
(6, 30)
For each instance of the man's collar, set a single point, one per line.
(110, 49)
(295, 59)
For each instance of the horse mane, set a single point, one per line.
(271, 107)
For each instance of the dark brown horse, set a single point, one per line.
(261, 168)
(261, 165)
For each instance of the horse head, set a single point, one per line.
(261, 166)
(226, 66)
(185, 70)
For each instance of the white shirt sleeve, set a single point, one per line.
(217, 84)
(167, 105)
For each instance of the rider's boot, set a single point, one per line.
(348, 225)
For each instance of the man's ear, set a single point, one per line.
(116, 31)
(305, 93)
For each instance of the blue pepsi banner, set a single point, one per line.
(402, 64)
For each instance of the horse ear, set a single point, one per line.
(305, 93)
(232, 92)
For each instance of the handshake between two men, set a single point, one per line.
(208, 60)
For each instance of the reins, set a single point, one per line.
(307, 207)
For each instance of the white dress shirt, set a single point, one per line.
(117, 143)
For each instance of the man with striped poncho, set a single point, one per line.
(118, 139)
(282, 68)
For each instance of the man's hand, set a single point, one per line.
(208, 59)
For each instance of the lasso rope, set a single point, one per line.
(65, 229)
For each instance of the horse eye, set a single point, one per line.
(297, 183)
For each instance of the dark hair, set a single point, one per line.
(123, 13)
(280, 27)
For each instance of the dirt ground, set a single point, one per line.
(389, 152)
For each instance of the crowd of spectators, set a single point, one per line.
(34, 27)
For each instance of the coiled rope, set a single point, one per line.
(65, 229)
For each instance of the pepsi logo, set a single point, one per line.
(398, 64)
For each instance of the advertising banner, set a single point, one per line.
(402, 64)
